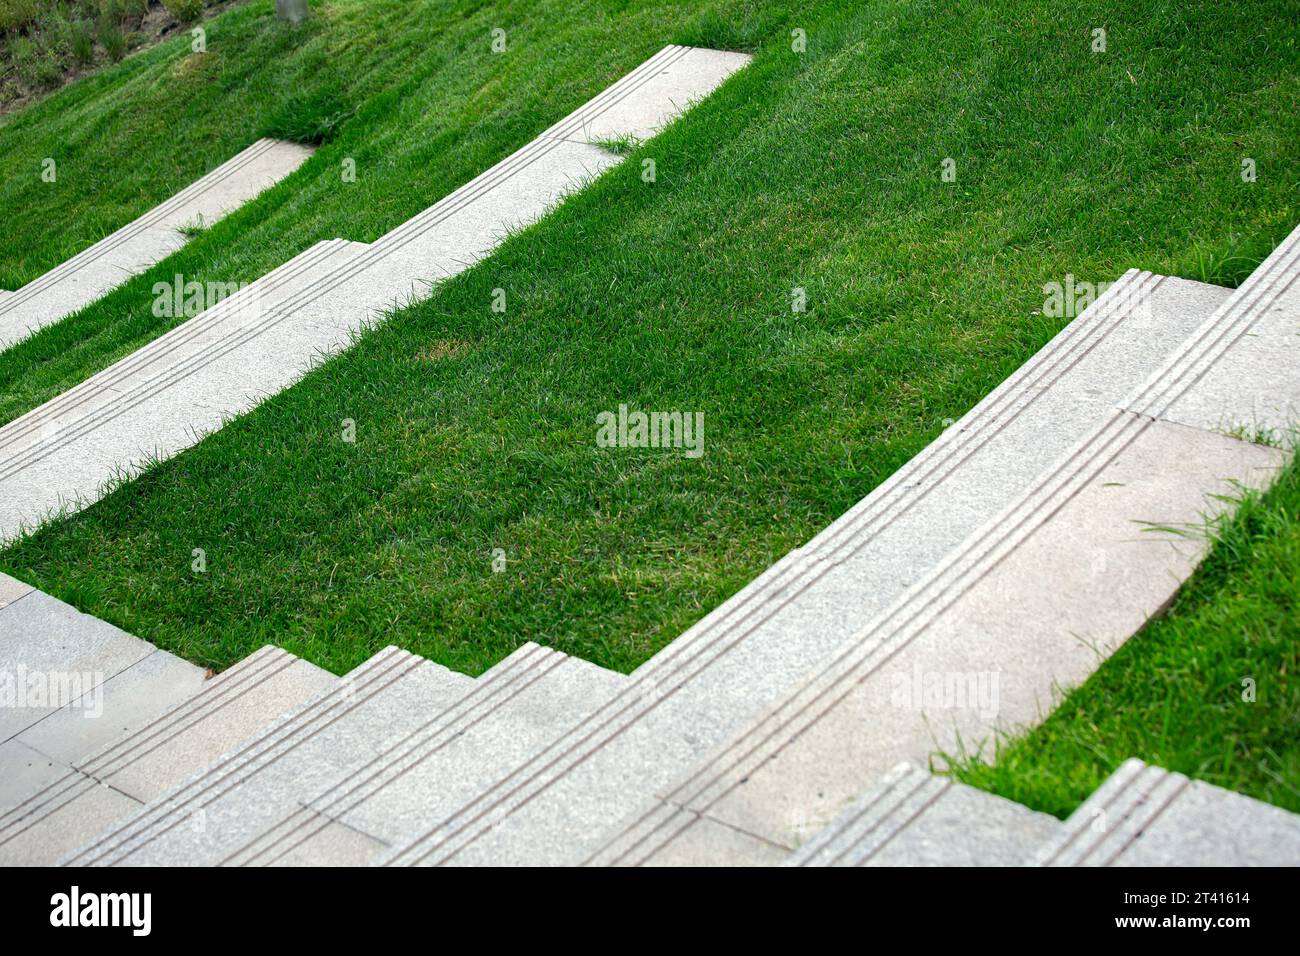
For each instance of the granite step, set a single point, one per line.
(254, 787)
(514, 709)
(1146, 816)
(79, 795)
(728, 669)
(159, 400)
(137, 246)
(913, 818)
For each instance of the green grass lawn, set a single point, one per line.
(1175, 694)
(476, 430)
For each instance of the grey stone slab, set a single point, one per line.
(23, 770)
(258, 785)
(332, 844)
(234, 708)
(1147, 816)
(740, 658)
(57, 420)
(127, 256)
(656, 94)
(1209, 826)
(522, 703)
(78, 471)
(915, 819)
(659, 833)
(11, 589)
(706, 842)
(243, 182)
(96, 807)
(466, 226)
(125, 702)
(161, 399)
(52, 655)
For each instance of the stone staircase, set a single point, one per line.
(1007, 559)
(135, 247)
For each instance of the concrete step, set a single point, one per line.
(513, 710)
(68, 801)
(60, 457)
(735, 663)
(135, 247)
(157, 401)
(1146, 816)
(913, 818)
(255, 786)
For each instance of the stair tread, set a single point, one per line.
(1147, 816)
(108, 263)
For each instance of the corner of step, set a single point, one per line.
(1090, 825)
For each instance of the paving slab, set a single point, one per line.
(472, 221)
(52, 655)
(666, 86)
(137, 246)
(66, 806)
(251, 789)
(1147, 816)
(333, 845)
(96, 806)
(706, 842)
(23, 771)
(163, 398)
(11, 589)
(740, 658)
(127, 701)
